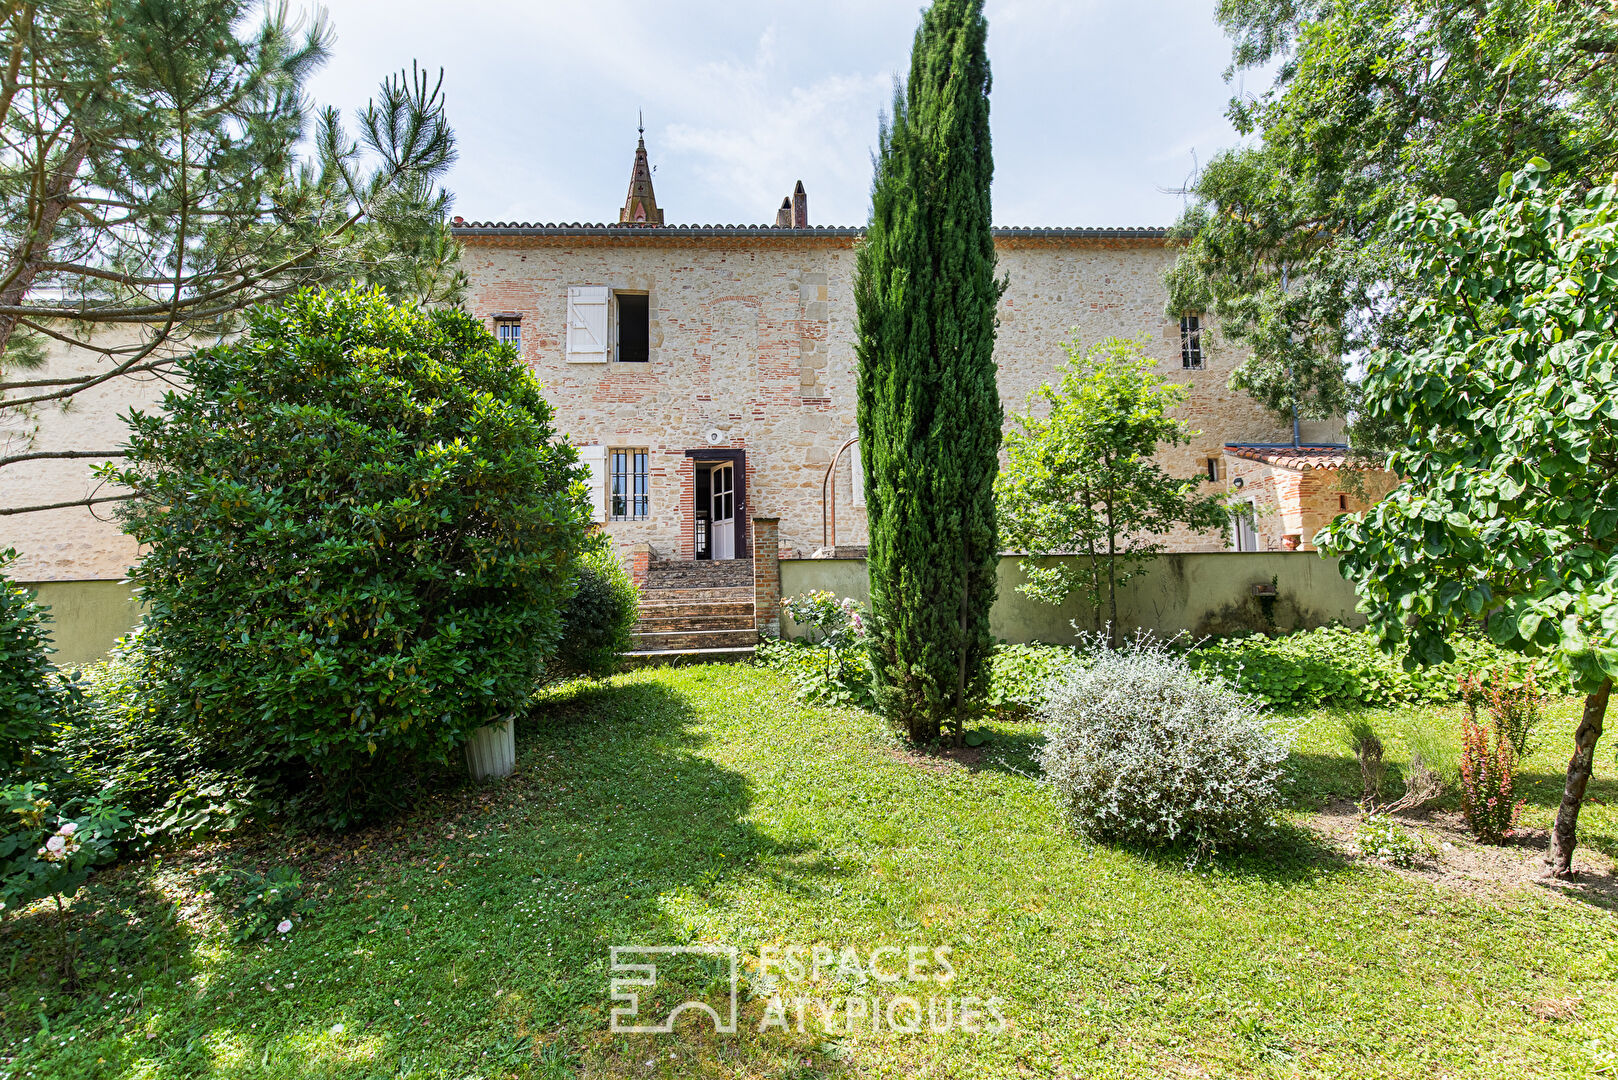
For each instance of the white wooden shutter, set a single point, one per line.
(595, 457)
(587, 324)
(856, 475)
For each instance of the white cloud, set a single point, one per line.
(752, 135)
(1096, 105)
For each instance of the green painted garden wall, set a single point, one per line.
(87, 617)
(1200, 594)
(1207, 593)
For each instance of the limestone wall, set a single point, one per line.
(79, 543)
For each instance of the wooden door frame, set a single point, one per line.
(717, 455)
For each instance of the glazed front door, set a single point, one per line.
(722, 502)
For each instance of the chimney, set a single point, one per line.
(783, 216)
(800, 207)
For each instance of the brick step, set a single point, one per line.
(696, 595)
(672, 657)
(693, 639)
(650, 609)
(653, 624)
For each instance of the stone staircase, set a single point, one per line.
(692, 612)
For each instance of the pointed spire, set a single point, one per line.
(640, 206)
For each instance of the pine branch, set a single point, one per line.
(9, 511)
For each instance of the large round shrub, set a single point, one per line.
(360, 532)
(33, 697)
(598, 620)
(1140, 748)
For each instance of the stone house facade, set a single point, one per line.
(707, 372)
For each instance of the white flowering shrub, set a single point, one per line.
(1383, 839)
(1140, 748)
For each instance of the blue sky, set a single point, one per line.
(1098, 105)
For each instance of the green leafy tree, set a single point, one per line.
(1508, 511)
(152, 187)
(929, 411)
(1082, 476)
(1375, 104)
(361, 530)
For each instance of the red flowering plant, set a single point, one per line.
(1488, 782)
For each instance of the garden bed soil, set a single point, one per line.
(1463, 862)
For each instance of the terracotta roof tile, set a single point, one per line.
(1287, 456)
(463, 228)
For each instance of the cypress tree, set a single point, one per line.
(929, 410)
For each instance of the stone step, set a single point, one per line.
(646, 657)
(678, 619)
(696, 595)
(693, 639)
(718, 573)
(650, 609)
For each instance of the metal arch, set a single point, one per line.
(828, 499)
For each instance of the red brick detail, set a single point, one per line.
(687, 471)
(640, 560)
(767, 575)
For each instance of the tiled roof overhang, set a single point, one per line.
(844, 234)
(1288, 456)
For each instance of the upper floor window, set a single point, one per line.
(508, 330)
(634, 336)
(1191, 342)
(631, 499)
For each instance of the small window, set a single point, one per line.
(630, 486)
(634, 328)
(509, 331)
(1342, 502)
(1213, 469)
(1191, 342)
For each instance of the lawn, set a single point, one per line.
(700, 806)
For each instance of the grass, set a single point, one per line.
(699, 805)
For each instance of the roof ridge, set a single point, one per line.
(461, 225)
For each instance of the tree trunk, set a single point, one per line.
(960, 672)
(34, 249)
(1565, 833)
(1112, 583)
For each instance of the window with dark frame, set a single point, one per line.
(1191, 342)
(1213, 469)
(634, 328)
(508, 331)
(1342, 502)
(631, 485)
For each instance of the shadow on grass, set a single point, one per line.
(1283, 854)
(473, 936)
(1317, 779)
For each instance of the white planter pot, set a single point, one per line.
(491, 752)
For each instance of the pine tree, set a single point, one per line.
(929, 410)
(162, 169)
